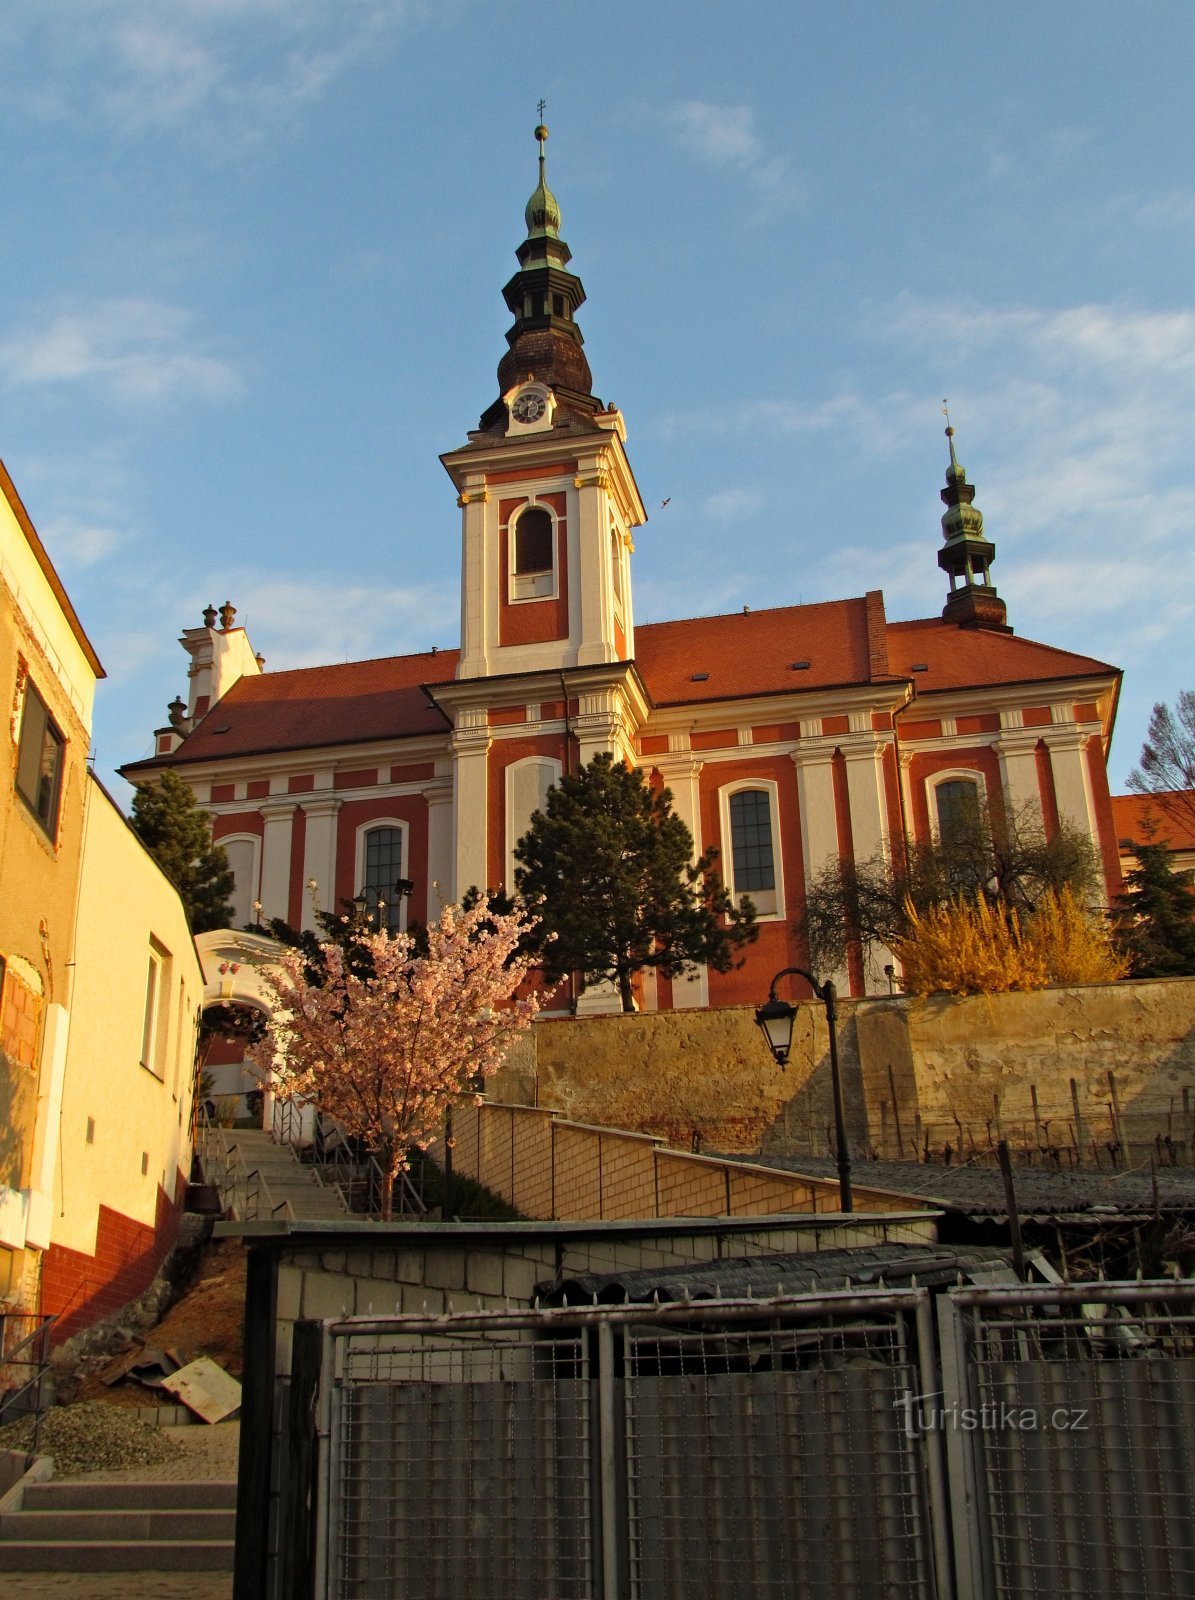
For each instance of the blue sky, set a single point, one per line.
(253, 261)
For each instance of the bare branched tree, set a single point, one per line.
(1167, 767)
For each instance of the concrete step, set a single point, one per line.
(150, 1527)
(39, 1555)
(80, 1526)
(80, 1494)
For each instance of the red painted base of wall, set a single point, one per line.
(81, 1289)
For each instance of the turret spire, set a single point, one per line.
(967, 554)
(543, 296)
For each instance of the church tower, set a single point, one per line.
(547, 495)
(546, 676)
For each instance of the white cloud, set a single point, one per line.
(724, 137)
(218, 67)
(140, 350)
(729, 505)
(73, 542)
(318, 620)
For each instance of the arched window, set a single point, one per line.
(751, 857)
(243, 851)
(957, 803)
(533, 555)
(527, 785)
(383, 867)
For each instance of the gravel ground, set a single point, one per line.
(97, 1440)
(91, 1437)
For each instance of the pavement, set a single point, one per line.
(208, 1452)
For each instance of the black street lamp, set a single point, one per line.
(775, 1018)
(403, 888)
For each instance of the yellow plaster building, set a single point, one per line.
(100, 983)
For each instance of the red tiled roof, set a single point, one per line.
(1174, 825)
(964, 658)
(702, 659)
(316, 706)
(748, 653)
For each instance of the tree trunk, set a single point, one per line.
(624, 990)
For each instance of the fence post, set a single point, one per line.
(608, 1461)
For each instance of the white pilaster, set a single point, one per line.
(864, 753)
(278, 817)
(595, 640)
(682, 774)
(470, 794)
(814, 761)
(319, 857)
(440, 864)
(1016, 748)
(479, 574)
(1072, 780)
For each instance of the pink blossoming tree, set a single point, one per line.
(385, 1054)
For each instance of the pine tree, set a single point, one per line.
(168, 821)
(609, 869)
(1154, 918)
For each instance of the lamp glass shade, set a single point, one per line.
(775, 1019)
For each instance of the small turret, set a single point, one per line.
(967, 554)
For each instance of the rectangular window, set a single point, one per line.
(383, 877)
(958, 811)
(150, 1026)
(39, 761)
(751, 841)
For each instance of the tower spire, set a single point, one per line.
(543, 297)
(967, 554)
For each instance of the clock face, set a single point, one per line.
(529, 407)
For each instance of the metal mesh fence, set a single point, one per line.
(774, 1463)
(1084, 1422)
(462, 1466)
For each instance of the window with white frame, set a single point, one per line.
(751, 845)
(533, 555)
(957, 807)
(157, 1003)
(381, 871)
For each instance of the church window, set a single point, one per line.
(533, 555)
(558, 305)
(750, 832)
(383, 869)
(39, 761)
(956, 801)
(242, 851)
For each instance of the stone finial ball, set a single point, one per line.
(541, 132)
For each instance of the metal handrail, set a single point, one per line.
(247, 1200)
(37, 1340)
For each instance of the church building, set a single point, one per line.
(789, 737)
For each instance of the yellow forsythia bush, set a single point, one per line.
(974, 947)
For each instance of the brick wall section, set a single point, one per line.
(81, 1289)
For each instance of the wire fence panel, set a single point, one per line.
(462, 1466)
(774, 1463)
(1083, 1424)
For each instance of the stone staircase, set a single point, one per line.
(120, 1527)
(285, 1179)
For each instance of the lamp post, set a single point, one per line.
(775, 1018)
(403, 888)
